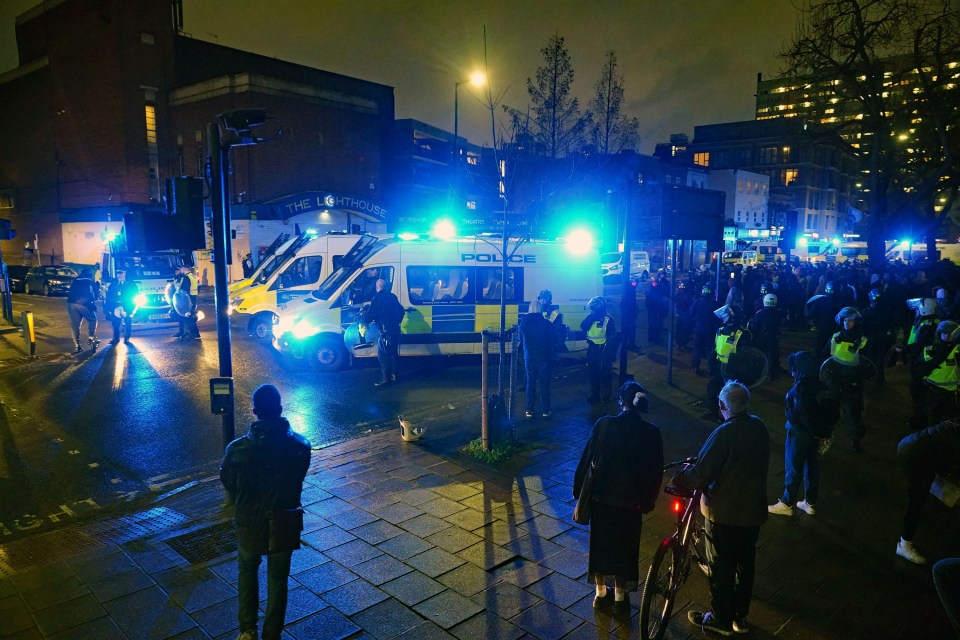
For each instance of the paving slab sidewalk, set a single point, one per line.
(418, 540)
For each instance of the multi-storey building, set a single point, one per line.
(111, 98)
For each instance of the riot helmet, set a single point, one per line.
(847, 313)
(770, 300)
(597, 303)
(874, 295)
(950, 329)
(830, 288)
(923, 307)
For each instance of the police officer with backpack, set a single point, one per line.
(387, 312)
(553, 314)
(940, 375)
(846, 346)
(601, 335)
(82, 305)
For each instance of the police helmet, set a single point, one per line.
(951, 329)
(873, 295)
(597, 303)
(924, 307)
(546, 296)
(681, 284)
(830, 287)
(727, 314)
(765, 288)
(940, 293)
(847, 312)
(707, 290)
(770, 300)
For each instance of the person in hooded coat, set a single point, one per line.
(263, 471)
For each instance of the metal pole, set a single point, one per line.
(503, 311)
(672, 311)
(219, 156)
(456, 140)
(628, 299)
(484, 391)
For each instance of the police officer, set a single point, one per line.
(880, 329)
(726, 341)
(704, 327)
(601, 347)
(922, 334)
(939, 370)
(82, 305)
(122, 303)
(845, 348)
(386, 311)
(555, 317)
(765, 326)
(186, 281)
(822, 310)
(247, 266)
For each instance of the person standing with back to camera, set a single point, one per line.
(386, 311)
(628, 452)
(263, 474)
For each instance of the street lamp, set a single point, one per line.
(477, 79)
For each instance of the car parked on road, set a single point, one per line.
(49, 280)
(17, 274)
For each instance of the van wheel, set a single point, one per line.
(329, 355)
(261, 326)
(26, 289)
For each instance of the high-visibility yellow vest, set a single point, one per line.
(945, 375)
(726, 344)
(552, 315)
(846, 352)
(917, 326)
(597, 334)
(194, 283)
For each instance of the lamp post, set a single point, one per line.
(477, 79)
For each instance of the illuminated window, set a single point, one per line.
(702, 158)
(153, 157)
(789, 177)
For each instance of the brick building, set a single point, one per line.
(110, 99)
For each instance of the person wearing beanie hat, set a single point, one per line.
(263, 474)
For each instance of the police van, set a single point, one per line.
(268, 263)
(450, 290)
(304, 263)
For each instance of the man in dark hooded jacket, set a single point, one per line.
(263, 472)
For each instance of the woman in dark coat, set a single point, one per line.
(626, 482)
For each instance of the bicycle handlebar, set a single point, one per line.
(690, 460)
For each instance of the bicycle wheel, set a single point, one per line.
(659, 590)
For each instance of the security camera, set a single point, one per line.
(242, 120)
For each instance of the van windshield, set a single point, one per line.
(351, 263)
(607, 258)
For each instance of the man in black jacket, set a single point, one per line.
(387, 312)
(82, 305)
(122, 305)
(538, 337)
(263, 474)
(731, 470)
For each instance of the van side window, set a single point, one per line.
(303, 270)
(364, 286)
(427, 285)
(490, 285)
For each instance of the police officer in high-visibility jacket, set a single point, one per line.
(726, 341)
(602, 344)
(940, 376)
(845, 348)
(922, 335)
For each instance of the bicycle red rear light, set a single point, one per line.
(677, 506)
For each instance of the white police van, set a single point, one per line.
(450, 289)
(303, 264)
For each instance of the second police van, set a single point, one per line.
(297, 269)
(450, 290)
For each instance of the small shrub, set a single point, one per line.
(496, 454)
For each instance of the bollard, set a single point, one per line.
(29, 334)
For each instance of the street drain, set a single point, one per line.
(44, 549)
(139, 525)
(204, 545)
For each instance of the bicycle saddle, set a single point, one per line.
(677, 490)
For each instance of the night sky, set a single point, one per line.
(685, 62)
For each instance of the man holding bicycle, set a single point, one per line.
(731, 471)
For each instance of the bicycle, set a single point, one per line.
(673, 560)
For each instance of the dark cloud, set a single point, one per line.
(685, 62)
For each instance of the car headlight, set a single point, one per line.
(140, 300)
(282, 324)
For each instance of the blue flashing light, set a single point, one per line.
(109, 236)
(802, 242)
(140, 300)
(836, 242)
(311, 232)
(579, 242)
(444, 230)
(408, 236)
(303, 329)
(905, 244)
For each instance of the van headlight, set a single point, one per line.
(283, 324)
(304, 329)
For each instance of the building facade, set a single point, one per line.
(110, 99)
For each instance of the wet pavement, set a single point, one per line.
(419, 540)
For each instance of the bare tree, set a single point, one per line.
(557, 125)
(883, 75)
(612, 130)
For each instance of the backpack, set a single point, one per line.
(827, 413)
